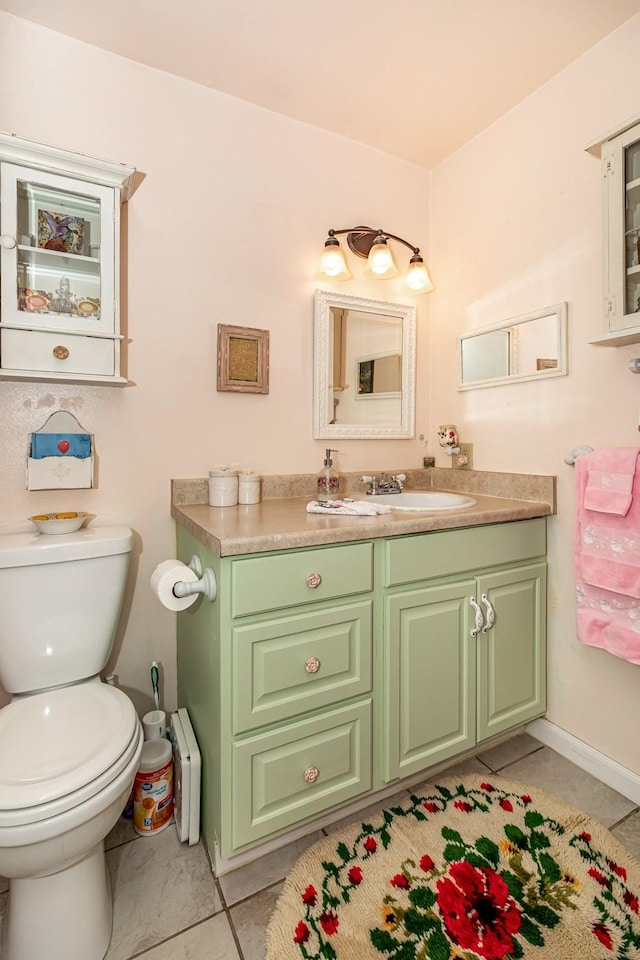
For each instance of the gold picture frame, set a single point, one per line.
(243, 359)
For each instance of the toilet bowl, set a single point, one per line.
(70, 745)
(85, 742)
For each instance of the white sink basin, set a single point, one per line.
(422, 501)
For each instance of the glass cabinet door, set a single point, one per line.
(58, 253)
(632, 228)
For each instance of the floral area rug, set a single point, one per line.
(483, 868)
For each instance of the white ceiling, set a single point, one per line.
(415, 78)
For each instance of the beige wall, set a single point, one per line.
(226, 227)
(515, 227)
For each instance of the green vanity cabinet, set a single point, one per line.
(464, 655)
(320, 675)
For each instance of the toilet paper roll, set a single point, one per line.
(165, 575)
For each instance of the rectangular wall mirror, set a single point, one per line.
(363, 368)
(522, 348)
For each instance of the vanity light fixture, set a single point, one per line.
(372, 245)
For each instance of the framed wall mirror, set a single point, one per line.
(528, 347)
(363, 368)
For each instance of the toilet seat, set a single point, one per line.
(77, 738)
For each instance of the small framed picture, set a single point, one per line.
(58, 231)
(243, 359)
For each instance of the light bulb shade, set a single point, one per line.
(380, 264)
(333, 265)
(417, 279)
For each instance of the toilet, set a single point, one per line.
(69, 744)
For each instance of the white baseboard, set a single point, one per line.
(603, 768)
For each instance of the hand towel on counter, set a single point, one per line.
(607, 566)
(610, 485)
(348, 508)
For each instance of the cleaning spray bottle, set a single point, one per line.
(328, 479)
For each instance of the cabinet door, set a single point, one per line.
(511, 653)
(621, 180)
(60, 272)
(430, 668)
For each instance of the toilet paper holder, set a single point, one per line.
(206, 585)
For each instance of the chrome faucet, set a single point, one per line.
(383, 484)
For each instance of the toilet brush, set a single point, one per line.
(155, 684)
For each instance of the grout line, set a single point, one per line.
(234, 934)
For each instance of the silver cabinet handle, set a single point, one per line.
(491, 614)
(312, 665)
(478, 616)
(314, 580)
(311, 774)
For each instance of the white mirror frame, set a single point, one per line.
(322, 365)
(557, 310)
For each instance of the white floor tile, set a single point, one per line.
(549, 771)
(628, 834)
(160, 887)
(510, 751)
(211, 940)
(250, 920)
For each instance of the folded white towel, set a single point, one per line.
(350, 508)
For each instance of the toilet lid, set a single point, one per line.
(55, 742)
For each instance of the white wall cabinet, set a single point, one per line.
(620, 157)
(60, 264)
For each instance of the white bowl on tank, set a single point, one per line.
(69, 744)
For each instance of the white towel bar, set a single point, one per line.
(570, 458)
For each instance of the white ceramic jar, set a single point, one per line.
(248, 488)
(223, 487)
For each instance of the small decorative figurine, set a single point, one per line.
(64, 301)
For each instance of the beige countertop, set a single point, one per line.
(282, 523)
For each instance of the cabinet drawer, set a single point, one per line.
(297, 772)
(292, 665)
(301, 576)
(33, 350)
(447, 552)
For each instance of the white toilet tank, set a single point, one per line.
(60, 599)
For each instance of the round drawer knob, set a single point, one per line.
(7, 242)
(314, 580)
(312, 665)
(311, 774)
(60, 352)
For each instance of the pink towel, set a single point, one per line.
(607, 564)
(611, 473)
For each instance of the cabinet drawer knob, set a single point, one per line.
(60, 352)
(311, 774)
(7, 242)
(314, 580)
(312, 665)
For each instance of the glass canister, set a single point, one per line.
(223, 487)
(248, 488)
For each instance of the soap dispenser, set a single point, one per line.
(328, 479)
